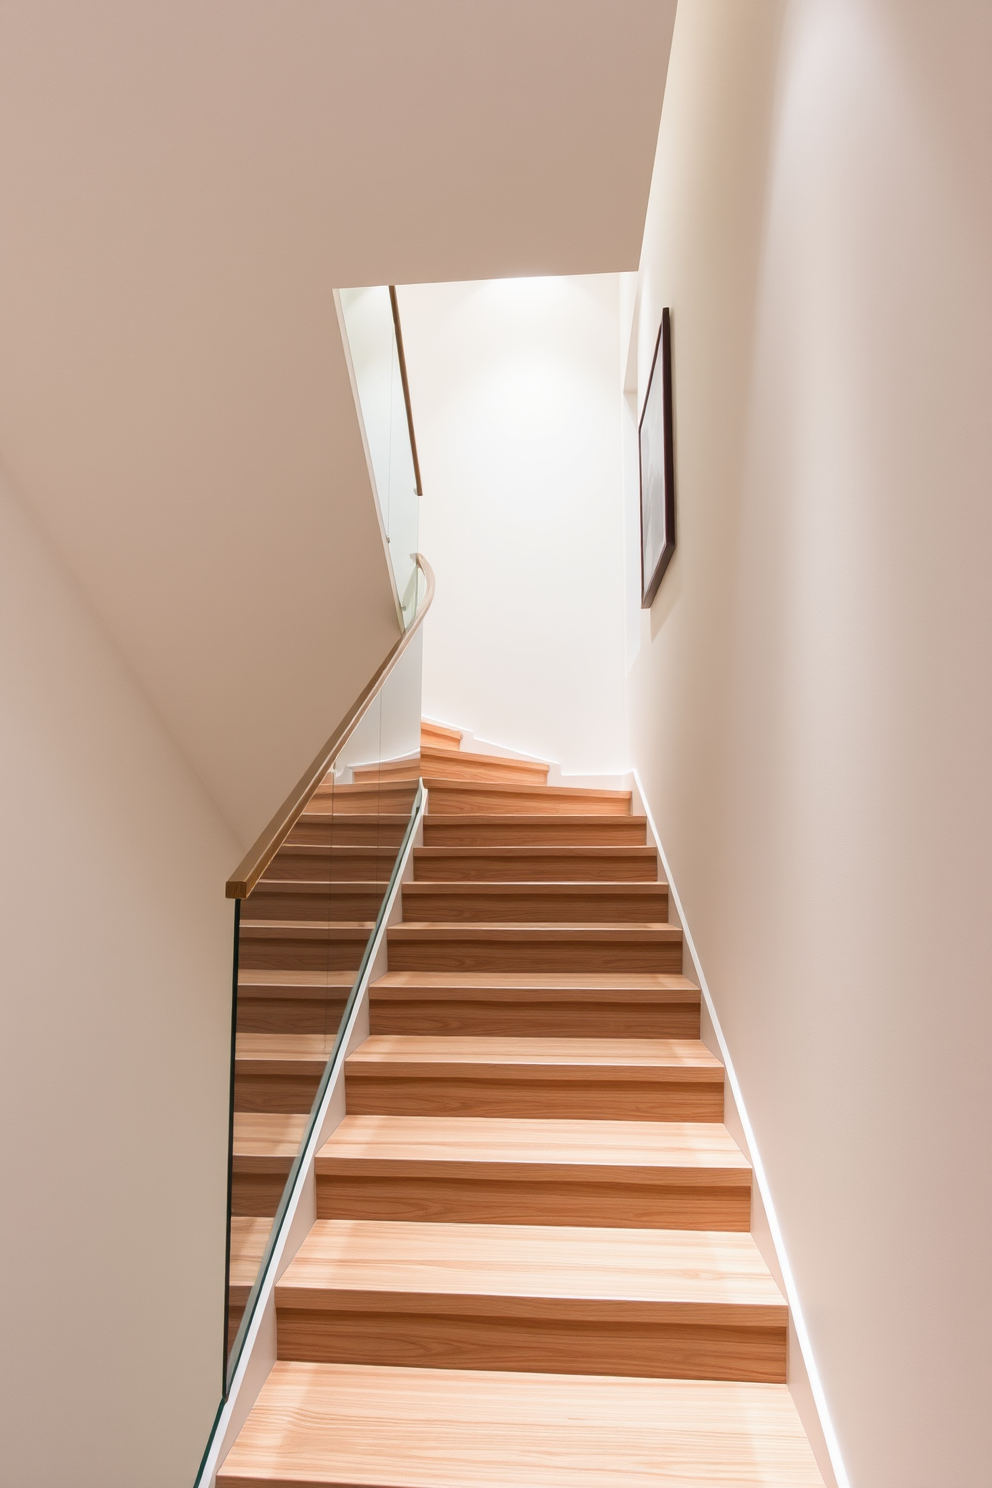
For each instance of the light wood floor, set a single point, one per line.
(531, 1263)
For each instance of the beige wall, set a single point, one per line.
(514, 390)
(114, 1056)
(810, 708)
(181, 188)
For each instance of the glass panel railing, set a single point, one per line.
(371, 318)
(304, 933)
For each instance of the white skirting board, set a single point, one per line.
(803, 1377)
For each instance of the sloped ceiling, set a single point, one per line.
(181, 187)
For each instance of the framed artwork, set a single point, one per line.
(657, 452)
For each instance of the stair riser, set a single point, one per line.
(522, 867)
(289, 953)
(320, 902)
(469, 800)
(331, 866)
(286, 1094)
(583, 904)
(438, 736)
(533, 1020)
(473, 954)
(293, 1015)
(535, 831)
(365, 800)
(457, 767)
(578, 1100)
(497, 1201)
(449, 1341)
(322, 830)
(256, 1194)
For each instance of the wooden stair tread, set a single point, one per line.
(448, 796)
(584, 890)
(440, 734)
(284, 1048)
(267, 1137)
(460, 764)
(658, 930)
(431, 753)
(524, 1268)
(506, 829)
(306, 927)
(282, 988)
(526, 987)
(499, 1144)
(576, 793)
(503, 889)
(480, 1054)
(525, 818)
(367, 1426)
(248, 1237)
(619, 852)
(354, 818)
(251, 979)
(531, 863)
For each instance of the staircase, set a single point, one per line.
(532, 1262)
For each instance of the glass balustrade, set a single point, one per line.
(372, 327)
(304, 935)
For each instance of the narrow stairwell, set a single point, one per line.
(532, 1261)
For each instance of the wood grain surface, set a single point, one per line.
(333, 862)
(520, 903)
(532, 1192)
(538, 947)
(471, 1170)
(567, 1005)
(463, 765)
(691, 1304)
(620, 1079)
(476, 829)
(302, 945)
(338, 1426)
(440, 735)
(453, 798)
(534, 864)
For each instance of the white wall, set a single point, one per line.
(514, 391)
(114, 1055)
(810, 707)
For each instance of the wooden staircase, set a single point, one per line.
(532, 1262)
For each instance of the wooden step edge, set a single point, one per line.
(355, 819)
(531, 819)
(326, 886)
(678, 1175)
(253, 979)
(536, 981)
(502, 888)
(622, 852)
(572, 792)
(344, 929)
(524, 1073)
(535, 1430)
(646, 932)
(529, 997)
(445, 731)
(315, 1296)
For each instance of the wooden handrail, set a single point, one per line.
(267, 844)
(394, 302)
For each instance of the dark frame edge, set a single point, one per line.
(663, 345)
(225, 1383)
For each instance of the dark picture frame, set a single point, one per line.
(656, 447)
